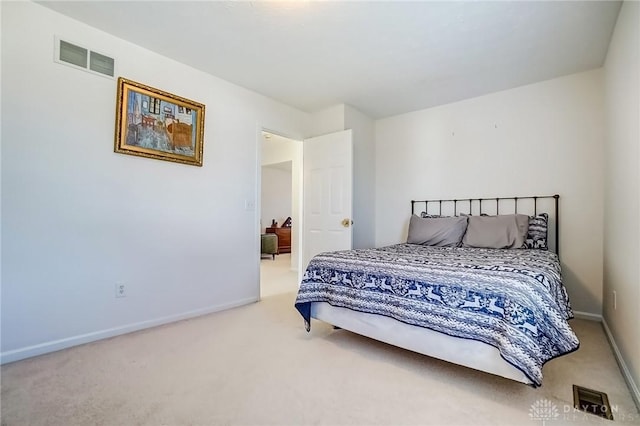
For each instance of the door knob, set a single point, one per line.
(347, 222)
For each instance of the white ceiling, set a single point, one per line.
(383, 58)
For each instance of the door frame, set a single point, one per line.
(258, 199)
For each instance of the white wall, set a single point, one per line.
(543, 138)
(622, 190)
(77, 218)
(276, 195)
(364, 179)
(328, 120)
(276, 150)
(1, 175)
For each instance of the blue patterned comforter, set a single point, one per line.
(513, 300)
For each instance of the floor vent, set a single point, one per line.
(80, 57)
(592, 401)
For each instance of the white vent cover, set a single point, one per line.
(79, 57)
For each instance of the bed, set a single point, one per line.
(501, 310)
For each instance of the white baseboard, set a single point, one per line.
(56, 345)
(587, 316)
(633, 387)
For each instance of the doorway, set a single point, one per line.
(280, 208)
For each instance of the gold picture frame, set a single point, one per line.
(156, 124)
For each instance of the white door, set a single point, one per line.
(327, 183)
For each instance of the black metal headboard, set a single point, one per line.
(492, 206)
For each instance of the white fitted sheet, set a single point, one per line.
(469, 353)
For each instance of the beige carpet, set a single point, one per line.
(255, 365)
(276, 276)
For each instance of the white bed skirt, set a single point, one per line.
(470, 353)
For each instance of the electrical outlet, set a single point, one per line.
(615, 300)
(121, 289)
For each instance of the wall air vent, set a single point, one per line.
(82, 58)
(102, 64)
(72, 54)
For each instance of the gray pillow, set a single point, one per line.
(440, 232)
(503, 231)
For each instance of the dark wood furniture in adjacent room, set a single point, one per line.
(284, 238)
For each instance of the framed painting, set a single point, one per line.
(156, 124)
